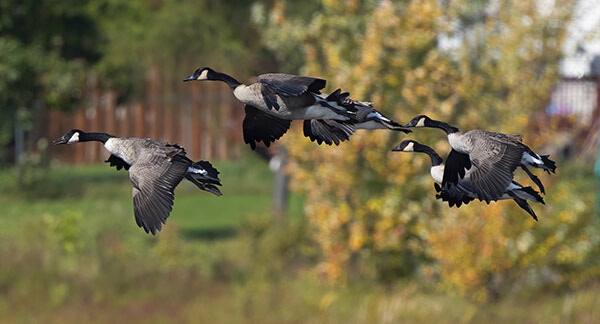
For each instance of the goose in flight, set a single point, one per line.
(463, 191)
(275, 99)
(495, 157)
(155, 169)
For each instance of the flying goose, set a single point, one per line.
(277, 98)
(364, 117)
(494, 155)
(155, 169)
(464, 192)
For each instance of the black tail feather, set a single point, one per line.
(523, 204)
(549, 165)
(532, 192)
(212, 174)
(204, 185)
(535, 179)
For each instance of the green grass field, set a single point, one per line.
(98, 191)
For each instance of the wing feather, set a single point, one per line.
(287, 85)
(495, 163)
(259, 126)
(154, 178)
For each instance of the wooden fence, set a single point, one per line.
(206, 120)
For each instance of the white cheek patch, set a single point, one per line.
(421, 123)
(409, 148)
(203, 75)
(74, 138)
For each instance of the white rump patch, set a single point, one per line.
(197, 171)
(74, 138)
(377, 115)
(532, 160)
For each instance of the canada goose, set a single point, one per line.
(364, 117)
(495, 156)
(155, 169)
(464, 191)
(277, 98)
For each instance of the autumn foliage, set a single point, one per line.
(372, 211)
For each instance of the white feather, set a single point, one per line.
(74, 138)
(199, 171)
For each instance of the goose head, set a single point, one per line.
(200, 74)
(420, 121)
(407, 146)
(414, 146)
(70, 137)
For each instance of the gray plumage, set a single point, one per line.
(275, 99)
(362, 116)
(465, 190)
(155, 169)
(495, 156)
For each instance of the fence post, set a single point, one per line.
(281, 183)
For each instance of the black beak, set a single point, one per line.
(397, 148)
(190, 78)
(60, 140)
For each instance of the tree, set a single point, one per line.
(44, 46)
(373, 212)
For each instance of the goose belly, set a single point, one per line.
(531, 160)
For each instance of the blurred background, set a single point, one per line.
(347, 234)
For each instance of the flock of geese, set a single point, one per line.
(480, 165)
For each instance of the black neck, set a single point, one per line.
(231, 82)
(441, 125)
(435, 158)
(99, 137)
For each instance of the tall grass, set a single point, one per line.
(70, 252)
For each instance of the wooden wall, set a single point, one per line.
(206, 120)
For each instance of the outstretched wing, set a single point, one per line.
(154, 179)
(117, 162)
(327, 130)
(259, 126)
(456, 165)
(494, 162)
(287, 85)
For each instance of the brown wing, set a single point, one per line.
(154, 178)
(287, 85)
